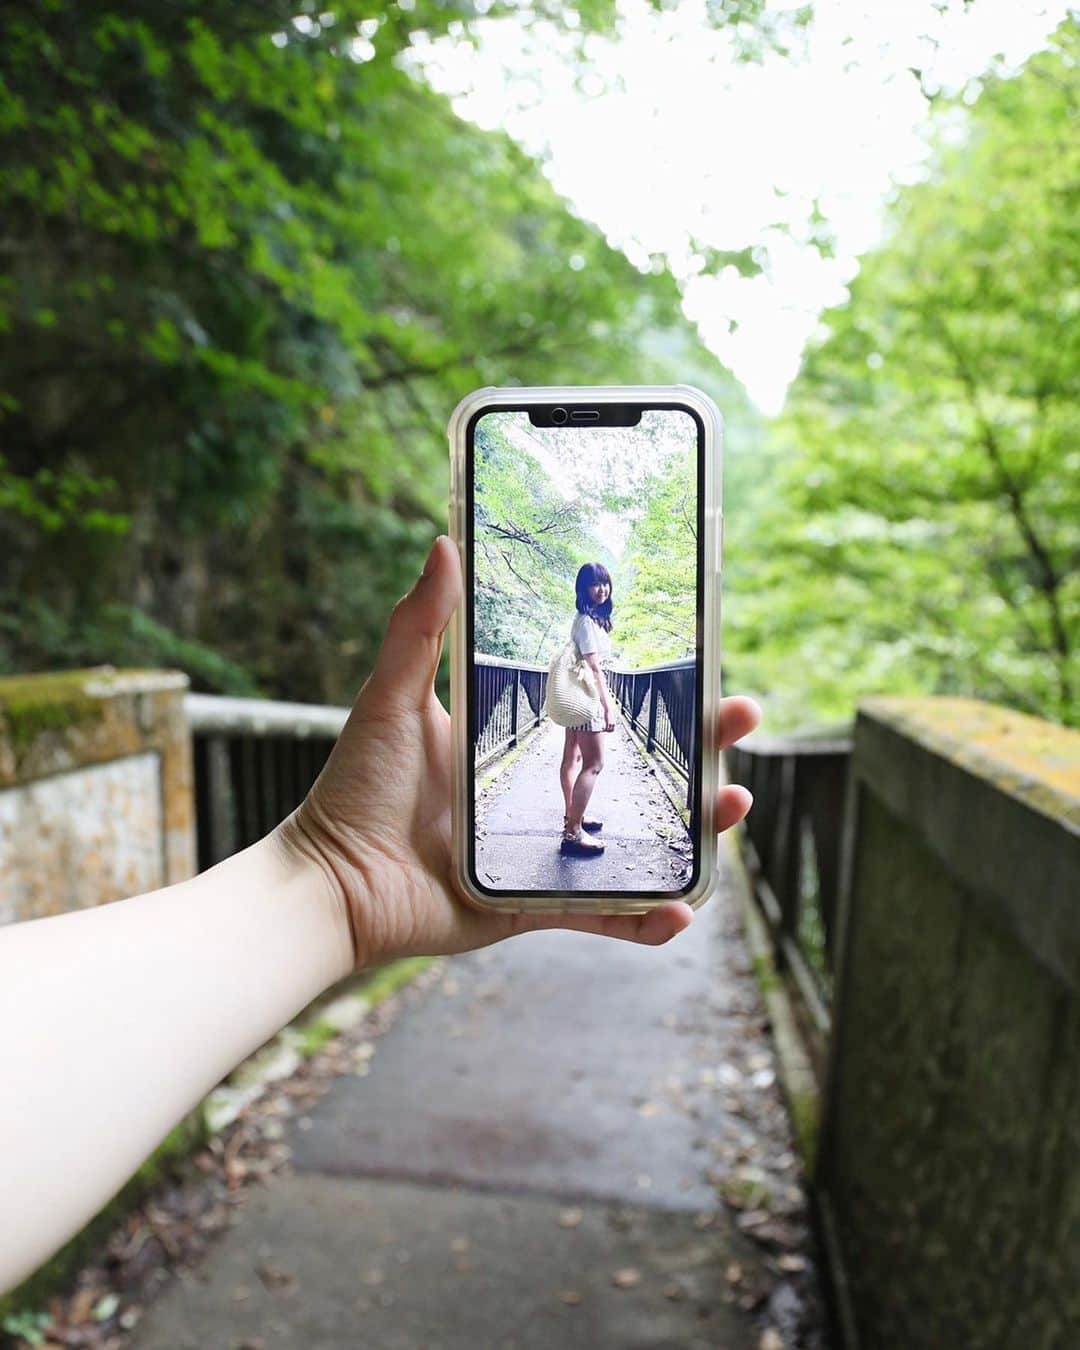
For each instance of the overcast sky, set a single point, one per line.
(666, 138)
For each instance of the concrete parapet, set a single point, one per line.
(949, 1162)
(96, 795)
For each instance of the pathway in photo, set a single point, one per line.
(565, 1142)
(520, 819)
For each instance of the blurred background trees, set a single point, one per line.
(250, 264)
(922, 531)
(250, 261)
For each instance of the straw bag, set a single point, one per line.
(572, 695)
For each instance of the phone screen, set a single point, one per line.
(584, 604)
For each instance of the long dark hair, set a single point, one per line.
(594, 574)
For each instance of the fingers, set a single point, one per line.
(738, 717)
(660, 925)
(409, 655)
(732, 804)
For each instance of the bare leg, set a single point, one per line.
(592, 755)
(570, 767)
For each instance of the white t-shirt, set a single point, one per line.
(590, 637)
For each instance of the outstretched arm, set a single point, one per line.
(117, 1021)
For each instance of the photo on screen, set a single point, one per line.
(584, 576)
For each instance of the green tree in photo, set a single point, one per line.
(530, 542)
(625, 497)
(657, 619)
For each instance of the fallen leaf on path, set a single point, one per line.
(106, 1308)
(571, 1218)
(626, 1278)
(82, 1305)
(771, 1340)
(273, 1277)
(752, 1218)
(571, 1297)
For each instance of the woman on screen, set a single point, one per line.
(583, 750)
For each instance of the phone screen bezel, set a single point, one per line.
(696, 815)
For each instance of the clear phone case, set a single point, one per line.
(472, 407)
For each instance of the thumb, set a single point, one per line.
(408, 658)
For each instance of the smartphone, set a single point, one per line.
(585, 658)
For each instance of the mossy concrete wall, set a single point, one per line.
(96, 795)
(949, 1160)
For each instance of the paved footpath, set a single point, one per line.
(520, 818)
(531, 1162)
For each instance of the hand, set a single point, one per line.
(609, 719)
(376, 824)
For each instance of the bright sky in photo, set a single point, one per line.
(580, 460)
(665, 140)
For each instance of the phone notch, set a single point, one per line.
(605, 415)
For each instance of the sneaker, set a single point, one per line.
(577, 846)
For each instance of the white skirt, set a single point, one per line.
(597, 724)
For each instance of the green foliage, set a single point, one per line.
(30, 1326)
(658, 614)
(922, 533)
(250, 264)
(126, 634)
(530, 543)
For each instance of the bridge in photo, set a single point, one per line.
(643, 794)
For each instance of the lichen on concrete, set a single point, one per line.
(1026, 757)
(33, 704)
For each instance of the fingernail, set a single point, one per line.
(430, 557)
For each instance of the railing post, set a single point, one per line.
(650, 738)
(784, 870)
(515, 690)
(691, 777)
(221, 816)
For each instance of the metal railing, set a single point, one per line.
(254, 763)
(658, 703)
(508, 698)
(255, 759)
(795, 836)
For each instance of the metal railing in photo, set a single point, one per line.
(508, 697)
(254, 762)
(795, 836)
(658, 703)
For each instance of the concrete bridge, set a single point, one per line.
(850, 1087)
